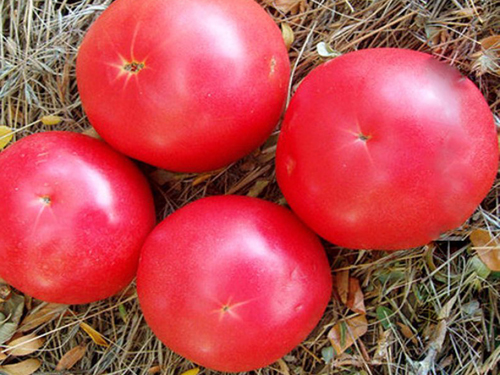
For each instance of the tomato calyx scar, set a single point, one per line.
(134, 67)
(364, 137)
(46, 200)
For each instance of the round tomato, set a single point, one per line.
(184, 85)
(74, 216)
(233, 283)
(386, 149)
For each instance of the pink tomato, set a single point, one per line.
(233, 283)
(386, 149)
(184, 85)
(74, 215)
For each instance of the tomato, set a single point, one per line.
(184, 85)
(386, 149)
(74, 216)
(233, 283)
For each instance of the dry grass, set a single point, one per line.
(438, 293)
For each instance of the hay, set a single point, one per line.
(444, 313)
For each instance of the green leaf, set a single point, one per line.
(12, 310)
(343, 329)
(327, 354)
(479, 267)
(383, 315)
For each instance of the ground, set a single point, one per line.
(431, 310)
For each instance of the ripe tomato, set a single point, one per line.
(184, 85)
(233, 283)
(74, 216)
(386, 149)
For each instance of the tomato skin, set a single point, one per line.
(74, 216)
(212, 88)
(430, 156)
(250, 255)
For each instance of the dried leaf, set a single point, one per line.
(408, 333)
(5, 292)
(51, 120)
(161, 176)
(437, 339)
(491, 42)
(2, 356)
(324, 50)
(42, 315)
(445, 311)
(285, 6)
(193, 371)
(154, 370)
(355, 327)
(94, 335)
(6, 135)
(10, 313)
(283, 367)
(91, 132)
(257, 188)
(24, 345)
(487, 247)
(342, 285)
(201, 178)
(288, 35)
(26, 367)
(71, 357)
(356, 299)
(382, 346)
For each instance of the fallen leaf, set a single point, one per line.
(491, 42)
(325, 50)
(445, 311)
(94, 335)
(288, 36)
(285, 6)
(283, 367)
(355, 299)
(42, 315)
(193, 371)
(51, 120)
(24, 345)
(382, 346)
(71, 357)
(10, 315)
(257, 188)
(342, 285)
(91, 132)
(201, 178)
(487, 248)
(384, 315)
(26, 367)
(481, 269)
(408, 333)
(154, 370)
(327, 354)
(6, 135)
(161, 176)
(345, 333)
(5, 292)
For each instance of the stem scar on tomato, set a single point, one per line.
(364, 137)
(134, 67)
(46, 200)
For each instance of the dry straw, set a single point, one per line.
(433, 310)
